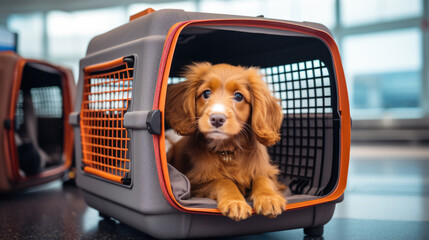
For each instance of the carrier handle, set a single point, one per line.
(141, 14)
(144, 120)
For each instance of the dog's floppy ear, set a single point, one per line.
(180, 118)
(267, 115)
(180, 110)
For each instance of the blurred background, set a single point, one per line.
(384, 46)
(383, 43)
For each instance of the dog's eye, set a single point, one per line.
(206, 94)
(238, 97)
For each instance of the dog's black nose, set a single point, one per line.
(217, 120)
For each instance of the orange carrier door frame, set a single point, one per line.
(161, 90)
(68, 132)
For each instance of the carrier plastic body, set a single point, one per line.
(36, 138)
(119, 119)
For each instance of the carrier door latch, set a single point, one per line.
(153, 122)
(145, 120)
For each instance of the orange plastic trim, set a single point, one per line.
(141, 14)
(160, 96)
(8, 52)
(105, 65)
(66, 77)
(12, 150)
(68, 101)
(102, 174)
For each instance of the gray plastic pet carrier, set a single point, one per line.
(120, 130)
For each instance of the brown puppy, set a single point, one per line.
(228, 116)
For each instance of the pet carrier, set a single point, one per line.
(36, 138)
(120, 129)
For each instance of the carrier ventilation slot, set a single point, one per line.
(107, 95)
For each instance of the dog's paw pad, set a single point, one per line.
(269, 205)
(235, 209)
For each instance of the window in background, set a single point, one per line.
(358, 12)
(70, 32)
(304, 10)
(235, 7)
(29, 28)
(185, 5)
(384, 74)
(7, 40)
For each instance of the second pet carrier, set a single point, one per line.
(120, 131)
(36, 138)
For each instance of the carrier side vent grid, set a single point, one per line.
(107, 95)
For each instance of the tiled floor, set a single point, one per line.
(387, 198)
(387, 183)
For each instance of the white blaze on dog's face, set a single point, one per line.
(223, 102)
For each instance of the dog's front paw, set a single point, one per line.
(269, 205)
(235, 209)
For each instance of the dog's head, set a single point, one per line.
(221, 101)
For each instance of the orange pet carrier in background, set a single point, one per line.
(36, 143)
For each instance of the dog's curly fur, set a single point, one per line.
(225, 158)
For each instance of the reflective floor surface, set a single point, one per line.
(387, 197)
